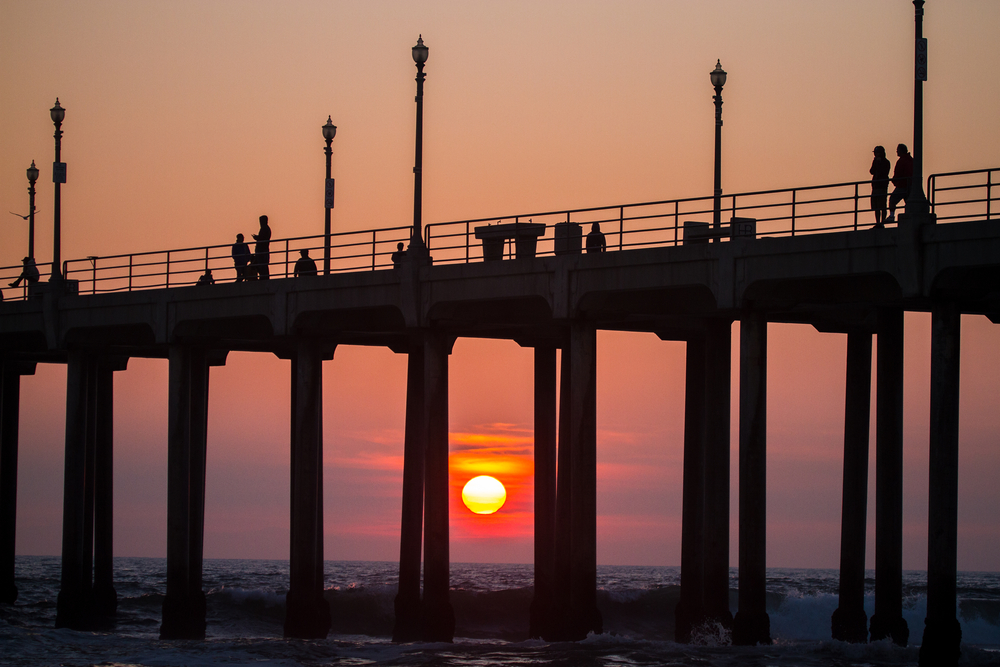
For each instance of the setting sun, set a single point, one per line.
(484, 494)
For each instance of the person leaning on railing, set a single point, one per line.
(595, 239)
(304, 265)
(241, 258)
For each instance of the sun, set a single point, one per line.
(484, 494)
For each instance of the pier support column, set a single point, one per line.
(559, 620)
(752, 624)
(850, 622)
(584, 615)
(942, 631)
(887, 619)
(307, 613)
(105, 598)
(690, 612)
(545, 490)
(184, 603)
(10, 402)
(439, 617)
(73, 602)
(718, 356)
(407, 605)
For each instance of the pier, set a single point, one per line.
(785, 256)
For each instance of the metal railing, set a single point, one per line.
(954, 196)
(963, 194)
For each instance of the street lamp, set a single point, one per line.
(417, 249)
(718, 77)
(57, 113)
(32, 177)
(329, 132)
(916, 201)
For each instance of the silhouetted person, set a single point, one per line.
(28, 273)
(880, 184)
(241, 258)
(206, 278)
(397, 257)
(595, 239)
(262, 250)
(304, 265)
(902, 174)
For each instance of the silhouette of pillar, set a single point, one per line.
(559, 626)
(90, 482)
(585, 617)
(545, 489)
(307, 613)
(718, 338)
(850, 622)
(10, 400)
(105, 598)
(942, 631)
(690, 612)
(439, 617)
(887, 619)
(407, 603)
(752, 625)
(73, 601)
(184, 603)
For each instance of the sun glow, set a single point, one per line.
(484, 494)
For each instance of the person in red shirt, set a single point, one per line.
(902, 174)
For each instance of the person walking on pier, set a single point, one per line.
(262, 250)
(595, 239)
(902, 173)
(304, 265)
(241, 258)
(880, 184)
(28, 273)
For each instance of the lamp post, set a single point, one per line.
(718, 77)
(417, 249)
(916, 202)
(57, 113)
(32, 177)
(329, 132)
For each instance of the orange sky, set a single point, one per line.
(187, 120)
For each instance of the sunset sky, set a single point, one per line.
(187, 120)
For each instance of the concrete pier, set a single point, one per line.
(850, 622)
(10, 402)
(691, 290)
(718, 356)
(887, 619)
(540, 613)
(439, 617)
(407, 603)
(307, 613)
(584, 616)
(690, 611)
(942, 631)
(752, 625)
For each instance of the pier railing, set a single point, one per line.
(954, 197)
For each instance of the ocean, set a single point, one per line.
(246, 611)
